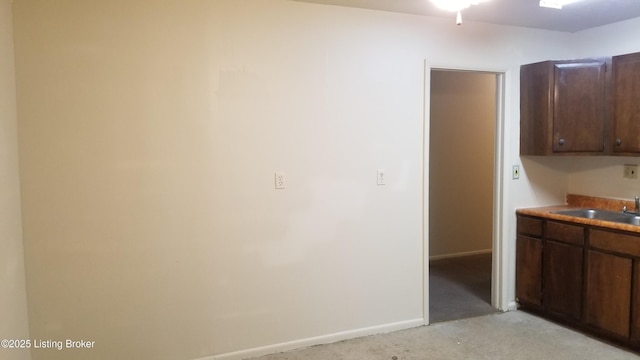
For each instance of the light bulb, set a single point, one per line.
(455, 5)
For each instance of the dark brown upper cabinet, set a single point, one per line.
(625, 91)
(563, 107)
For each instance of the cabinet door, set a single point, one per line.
(536, 117)
(626, 103)
(562, 277)
(563, 107)
(635, 305)
(579, 106)
(608, 295)
(529, 270)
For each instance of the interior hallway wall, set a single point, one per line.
(149, 135)
(13, 301)
(461, 165)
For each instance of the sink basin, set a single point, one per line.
(604, 215)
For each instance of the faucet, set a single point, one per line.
(637, 207)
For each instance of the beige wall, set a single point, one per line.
(461, 165)
(149, 135)
(13, 309)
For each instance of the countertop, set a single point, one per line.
(584, 202)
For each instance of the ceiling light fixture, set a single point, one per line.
(456, 6)
(555, 4)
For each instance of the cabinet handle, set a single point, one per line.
(561, 141)
(618, 142)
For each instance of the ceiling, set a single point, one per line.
(574, 17)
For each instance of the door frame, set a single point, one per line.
(500, 259)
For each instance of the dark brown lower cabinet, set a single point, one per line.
(587, 277)
(562, 277)
(528, 275)
(608, 296)
(635, 305)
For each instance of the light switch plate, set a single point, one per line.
(382, 180)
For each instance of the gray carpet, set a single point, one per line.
(460, 288)
(514, 335)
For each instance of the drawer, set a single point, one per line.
(529, 226)
(566, 233)
(615, 242)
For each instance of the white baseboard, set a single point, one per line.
(318, 340)
(467, 253)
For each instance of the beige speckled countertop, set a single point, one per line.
(584, 202)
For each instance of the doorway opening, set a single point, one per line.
(464, 119)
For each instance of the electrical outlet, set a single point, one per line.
(515, 174)
(630, 172)
(281, 181)
(381, 177)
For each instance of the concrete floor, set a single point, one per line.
(513, 335)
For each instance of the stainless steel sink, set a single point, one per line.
(604, 215)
